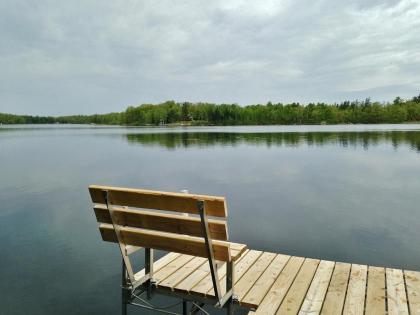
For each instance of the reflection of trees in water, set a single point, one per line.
(345, 139)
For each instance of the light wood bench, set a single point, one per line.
(173, 222)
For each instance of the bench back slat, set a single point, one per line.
(149, 199)
(166, 241)
(161, 222)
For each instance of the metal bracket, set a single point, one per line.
(129, 268)
(209, 248)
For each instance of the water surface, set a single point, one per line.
(345, 193)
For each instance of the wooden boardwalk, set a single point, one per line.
(273, 283)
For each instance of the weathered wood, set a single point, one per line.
(295, 285)
(294, 298)
(241, 268)
(173, 266)
(159, 264)
(194, 278)
(412, 280)
(247, 281)
(171, 281)
(279, 289)
(356, 290)
(318, 289)
(205, 287)
(336, 294)
(150, 199)
(260, 288)
(376, 295)
(183, 244)
(397, 298)
(164, 222)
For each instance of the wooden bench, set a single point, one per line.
(181, 223)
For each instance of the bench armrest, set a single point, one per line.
(236, 250)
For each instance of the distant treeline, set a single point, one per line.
(170, 112)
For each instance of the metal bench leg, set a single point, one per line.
(184, 307)
(124, 290)
(230, 308)
(230, 281)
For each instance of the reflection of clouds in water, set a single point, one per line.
(381, 241)
(376, 165)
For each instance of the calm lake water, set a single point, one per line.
(345, 193)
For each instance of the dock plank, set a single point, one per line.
(397, 298)
(376, 295)
(279, 289)
(412, 280)
(318, 289)
(336, 293)
(269, 283)
(159, 264)
(260, 288)
(194, 278)
(294, 298)
(356, 290)
(172, 267)
(205, 286)
(243, 285)
(175, 278)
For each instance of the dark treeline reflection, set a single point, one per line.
(344, 139)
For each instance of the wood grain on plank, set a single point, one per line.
(336, 293)
(376, 295)
(182, 244)
(206, 286)
(172, 267)
(296, 294)
(318, 289)
(151, 199)
(198, 275)
(260, 288)
(243, 285)
(279, 289)
(171, 281)
(412, 281)
(159, 264)
(397, 297)
(164, 222)
(356, 290)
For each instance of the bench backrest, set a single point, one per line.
(158, 220)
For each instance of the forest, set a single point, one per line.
(186, 113)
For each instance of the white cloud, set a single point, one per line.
(101, 56)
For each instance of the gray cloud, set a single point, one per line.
(100, 56)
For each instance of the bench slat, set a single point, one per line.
(183, 244)
(163, 222)
(149, 199)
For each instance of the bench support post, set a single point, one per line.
(209, 247)
(126, 259)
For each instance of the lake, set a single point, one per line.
(344, 193)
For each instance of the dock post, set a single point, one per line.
(123, 290)
(230, 281)
(184, 307)
(149, 270)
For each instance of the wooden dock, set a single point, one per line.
(272, 283)
(203, 267)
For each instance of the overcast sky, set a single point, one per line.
(68, 57)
